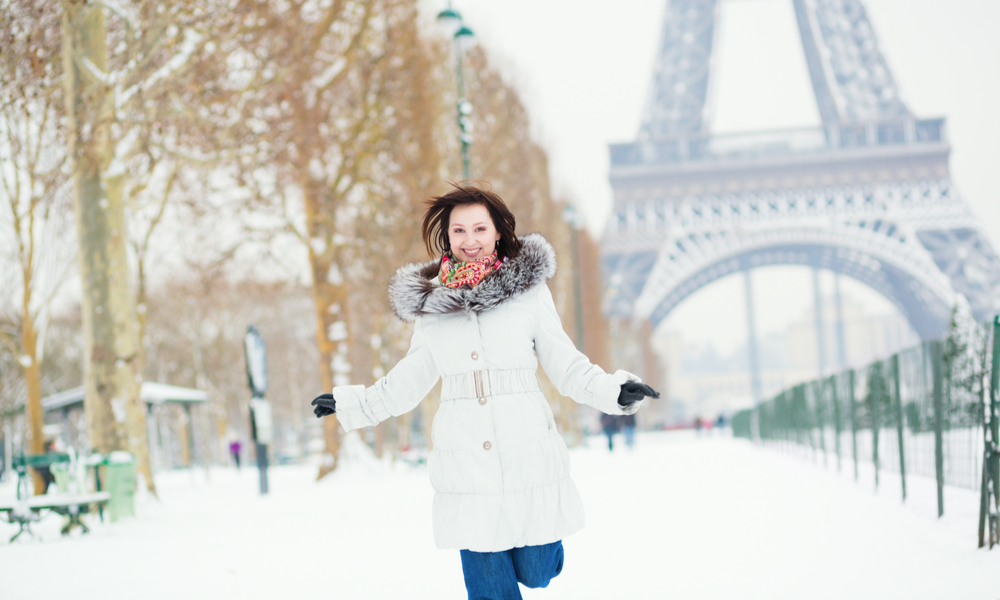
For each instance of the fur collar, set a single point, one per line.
(413, 292)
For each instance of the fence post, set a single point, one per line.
(775, 424)
(898, 401)
(995, 411)
(854, 421)
(936, 368)
(836, 416)
(786, 419)
(806, 420)
(985, 489)
(876, 386)
(993, 450)
(819, 397)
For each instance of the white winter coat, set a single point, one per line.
(499, 468)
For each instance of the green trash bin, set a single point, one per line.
(60, 473)
(120, 479)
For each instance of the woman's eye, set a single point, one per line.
(481, 229)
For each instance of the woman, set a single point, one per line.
(483, 321)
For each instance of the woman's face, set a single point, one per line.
(471, 232)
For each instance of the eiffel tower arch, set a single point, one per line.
(867, 194)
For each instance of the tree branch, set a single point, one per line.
(163, 206)
(11, 346)
(351, 49)
(323, 27)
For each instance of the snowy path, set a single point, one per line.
(679, 517)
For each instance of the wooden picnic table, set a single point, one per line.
(25, 511)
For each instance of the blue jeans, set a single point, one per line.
(495, 575)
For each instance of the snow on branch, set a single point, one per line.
(320, 81)
(187, 48)
(191, 155)
(122, 149)
(108, 79)
(117, 10)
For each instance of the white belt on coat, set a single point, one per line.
(482, 384)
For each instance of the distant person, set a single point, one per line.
(627, 425)
(44, 471)
(609, 425)
(234, 451)
(484, 319)
(720, 422)
(697, 425)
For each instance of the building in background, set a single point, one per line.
(701, 382)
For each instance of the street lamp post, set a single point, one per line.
(260, 409)
(575, 220)
(461, 37)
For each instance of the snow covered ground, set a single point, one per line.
(679, 517)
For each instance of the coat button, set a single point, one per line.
(483, 401)
(475, 356)
(487, 445)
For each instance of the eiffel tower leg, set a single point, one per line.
(756, 388)
(841, 344)
(820, 333)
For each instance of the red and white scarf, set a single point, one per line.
(455, 274)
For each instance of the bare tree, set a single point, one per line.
(320, 101)
(121, 134)
(166, 140)
(115, 415)
(196, 331)
(34, 181)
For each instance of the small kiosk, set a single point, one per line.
(66, 408)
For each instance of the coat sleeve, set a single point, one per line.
(398, 392)
(569, 369)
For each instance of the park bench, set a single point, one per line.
(68, 502)
(25, 511)
(22, 462)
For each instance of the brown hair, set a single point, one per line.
(438, 215)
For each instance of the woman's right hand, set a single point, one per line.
(325, 405)
(633, 392)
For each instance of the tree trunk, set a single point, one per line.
(404, 425)
(116, 419)
(330, 300)
(33, 382)
(428, 408)
(141, 313)
(184, 433)
(380, 440)
(331, 307)
(144, 461)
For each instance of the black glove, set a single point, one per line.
(325, 405)
(633, 392)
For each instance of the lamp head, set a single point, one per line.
(465, 38)
(449, 20)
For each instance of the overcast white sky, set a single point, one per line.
(584, 69)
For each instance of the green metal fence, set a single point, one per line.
(925, 411)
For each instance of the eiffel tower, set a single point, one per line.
(868, 194)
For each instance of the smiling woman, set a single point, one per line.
(484, 320)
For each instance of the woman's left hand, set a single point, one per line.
(633, 392)
(325, 405)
